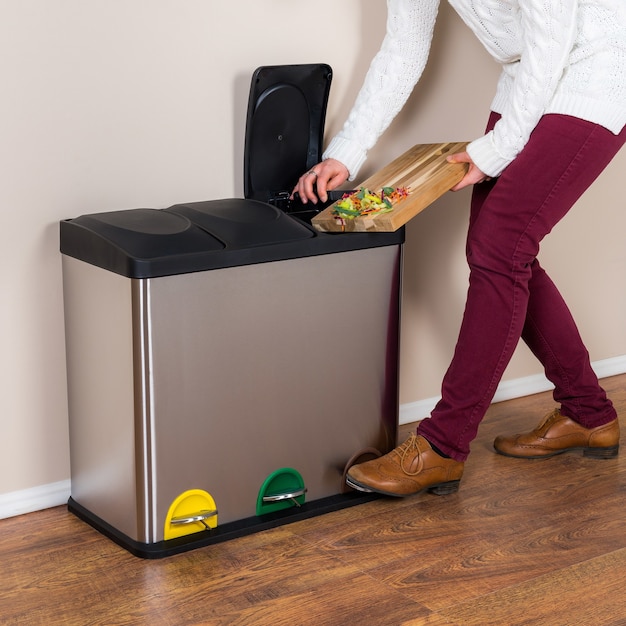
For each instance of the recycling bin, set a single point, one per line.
(226, 361)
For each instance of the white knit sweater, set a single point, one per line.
(557, 56)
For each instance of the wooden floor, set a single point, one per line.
(522, 542)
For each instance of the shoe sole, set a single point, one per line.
(442, 489)
(594, 453)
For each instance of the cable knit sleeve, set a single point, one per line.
(548, 34)
(392, 75)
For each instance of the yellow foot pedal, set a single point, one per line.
(192, 512)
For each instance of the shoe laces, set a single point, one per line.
(406, 453)
(548, 420)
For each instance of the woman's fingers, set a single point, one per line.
(319, 180)
(473, 174)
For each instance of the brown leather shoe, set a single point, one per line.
(409, 468)
(558, 434)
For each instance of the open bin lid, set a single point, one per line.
(284, 126)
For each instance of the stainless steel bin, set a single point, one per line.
(225, 361)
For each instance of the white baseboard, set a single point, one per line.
(34, 499)
(57, 494)
(511, 389)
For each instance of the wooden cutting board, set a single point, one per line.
(426, 173)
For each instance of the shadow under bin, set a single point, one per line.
(225, 360)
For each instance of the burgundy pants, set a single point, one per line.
(511, 296)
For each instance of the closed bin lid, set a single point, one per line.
(136, 243)
(145, 243)
(199, 236)
(241, 223)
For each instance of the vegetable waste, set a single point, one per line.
(363, 203)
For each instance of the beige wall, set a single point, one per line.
(112, 104)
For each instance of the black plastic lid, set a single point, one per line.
(142, 243)
(199, 236)
(134, 242)
(284, 134)
(241, 223)
(284, 126)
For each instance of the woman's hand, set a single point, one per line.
(473, 175)
(319, 180)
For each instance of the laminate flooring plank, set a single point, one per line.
(268, 578)
(589, 593)
(471, 570)
(521, 542)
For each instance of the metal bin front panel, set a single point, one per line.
(250, 369)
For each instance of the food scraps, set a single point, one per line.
(365, 203)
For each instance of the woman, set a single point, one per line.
(557, 120)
